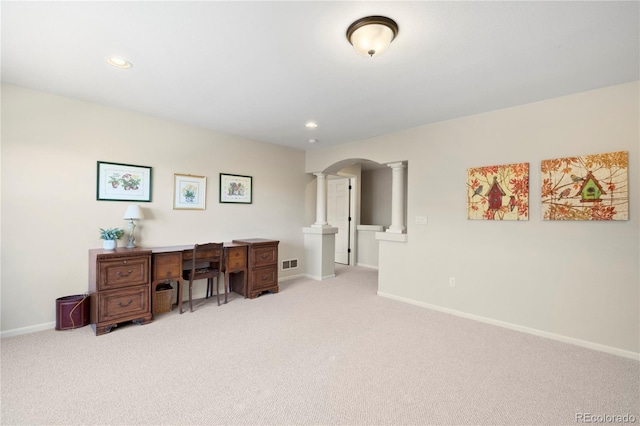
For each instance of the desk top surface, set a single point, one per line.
(254, 241)
(168, 249)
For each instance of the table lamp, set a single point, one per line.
(134, 212)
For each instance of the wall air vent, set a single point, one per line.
(289, 264)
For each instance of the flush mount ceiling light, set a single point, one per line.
(372, 35)
(119, 62)
(311, 124)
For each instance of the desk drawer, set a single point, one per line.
(264, 278)
(265, 256)
(187, 255)
(236, 258)
(167, 266)
(123, 273)
(123, 303)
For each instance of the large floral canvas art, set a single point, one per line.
(589, 187)
(498, 192)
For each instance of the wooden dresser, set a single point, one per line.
(119, 287)
(262, 267)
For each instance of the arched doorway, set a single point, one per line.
(358, 204)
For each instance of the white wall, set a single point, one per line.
(50, 216)
(573, 280)
(368, 245)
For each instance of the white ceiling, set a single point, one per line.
(260, 70)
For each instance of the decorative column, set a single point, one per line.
(321, 201)
(397, 198)
(320, 238)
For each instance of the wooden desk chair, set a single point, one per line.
(206, 263)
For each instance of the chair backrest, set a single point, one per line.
(207, 256)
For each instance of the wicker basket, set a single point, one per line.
(164, 296)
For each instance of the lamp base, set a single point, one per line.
(132, 239)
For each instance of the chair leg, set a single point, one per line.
(217, 289)
(225, 290)
(190, 298)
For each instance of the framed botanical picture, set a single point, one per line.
(189, 192)
(235, 189)
(123, 182)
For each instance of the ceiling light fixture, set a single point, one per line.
(311, 124)
(119, 62)
(313, 140)
(372, 35)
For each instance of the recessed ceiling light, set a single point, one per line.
(311, 124)
(119, 62)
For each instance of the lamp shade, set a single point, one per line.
(371, 36)
(133, 212)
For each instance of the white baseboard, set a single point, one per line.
(364, 265)
(290, 277)
(27, 330)
(319, 278)
(535, 332)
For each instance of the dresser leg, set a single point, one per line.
(143, 320)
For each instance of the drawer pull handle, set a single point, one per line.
(124, 306)
(120, 274)
(265, 256)
(168, 273)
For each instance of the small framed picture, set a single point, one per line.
(235, 189)
(189, 192)
(123, 182)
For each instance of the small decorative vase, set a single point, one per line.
(109, 244)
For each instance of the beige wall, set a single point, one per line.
(577, 281)
(50, 216)
(50, 146)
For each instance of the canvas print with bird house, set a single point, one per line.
(589, 187)
(498, 192)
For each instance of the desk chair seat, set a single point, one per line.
(206, 263)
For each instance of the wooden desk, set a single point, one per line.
(235, 262)
(169, 262)
(123, 282)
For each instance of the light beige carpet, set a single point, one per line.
(317, 353)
